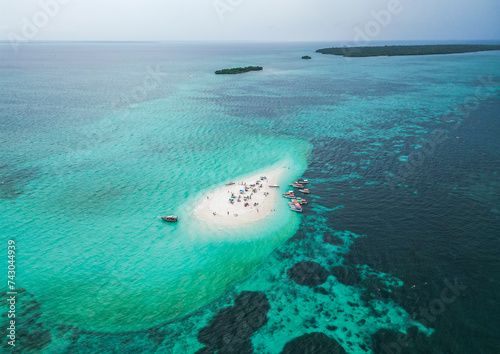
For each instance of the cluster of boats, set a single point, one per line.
(296, 202)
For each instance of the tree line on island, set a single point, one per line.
(375, 51)
(238, 70)
(407, 50)
(246, 69)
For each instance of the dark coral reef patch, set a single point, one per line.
(308, 273)
(313, 343)
(230, 330)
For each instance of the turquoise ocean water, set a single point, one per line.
(99, 139)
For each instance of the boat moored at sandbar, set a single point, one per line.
(295, 206)
(170, 218)
(301, 201)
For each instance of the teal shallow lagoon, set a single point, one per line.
(106, 209)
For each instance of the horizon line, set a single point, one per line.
(243, 41)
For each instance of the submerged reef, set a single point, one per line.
(308, 273)
(31, 334)
(317, 343)
(230, 330)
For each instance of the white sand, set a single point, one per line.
(218, 201)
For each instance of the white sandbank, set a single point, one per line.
(237, 214)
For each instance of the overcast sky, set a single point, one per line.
(270, 20)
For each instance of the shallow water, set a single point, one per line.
(91, 155)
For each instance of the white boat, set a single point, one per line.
(305, 191)
(305, 181)
(274, 186)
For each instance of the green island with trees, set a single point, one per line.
(399, 50)
(239, 70)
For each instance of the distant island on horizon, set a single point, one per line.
(401, 50)
(238, 70)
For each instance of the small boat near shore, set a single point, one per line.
(301, 201)
(170, 218)
(289, 195)
(295, 206)
(230, 184)
(305, 181)
(305, 191)
(274, 186)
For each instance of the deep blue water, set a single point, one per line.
(449, 230)
(405, 199)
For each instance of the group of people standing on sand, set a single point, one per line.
(251, 187)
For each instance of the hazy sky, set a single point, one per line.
(288, 20)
